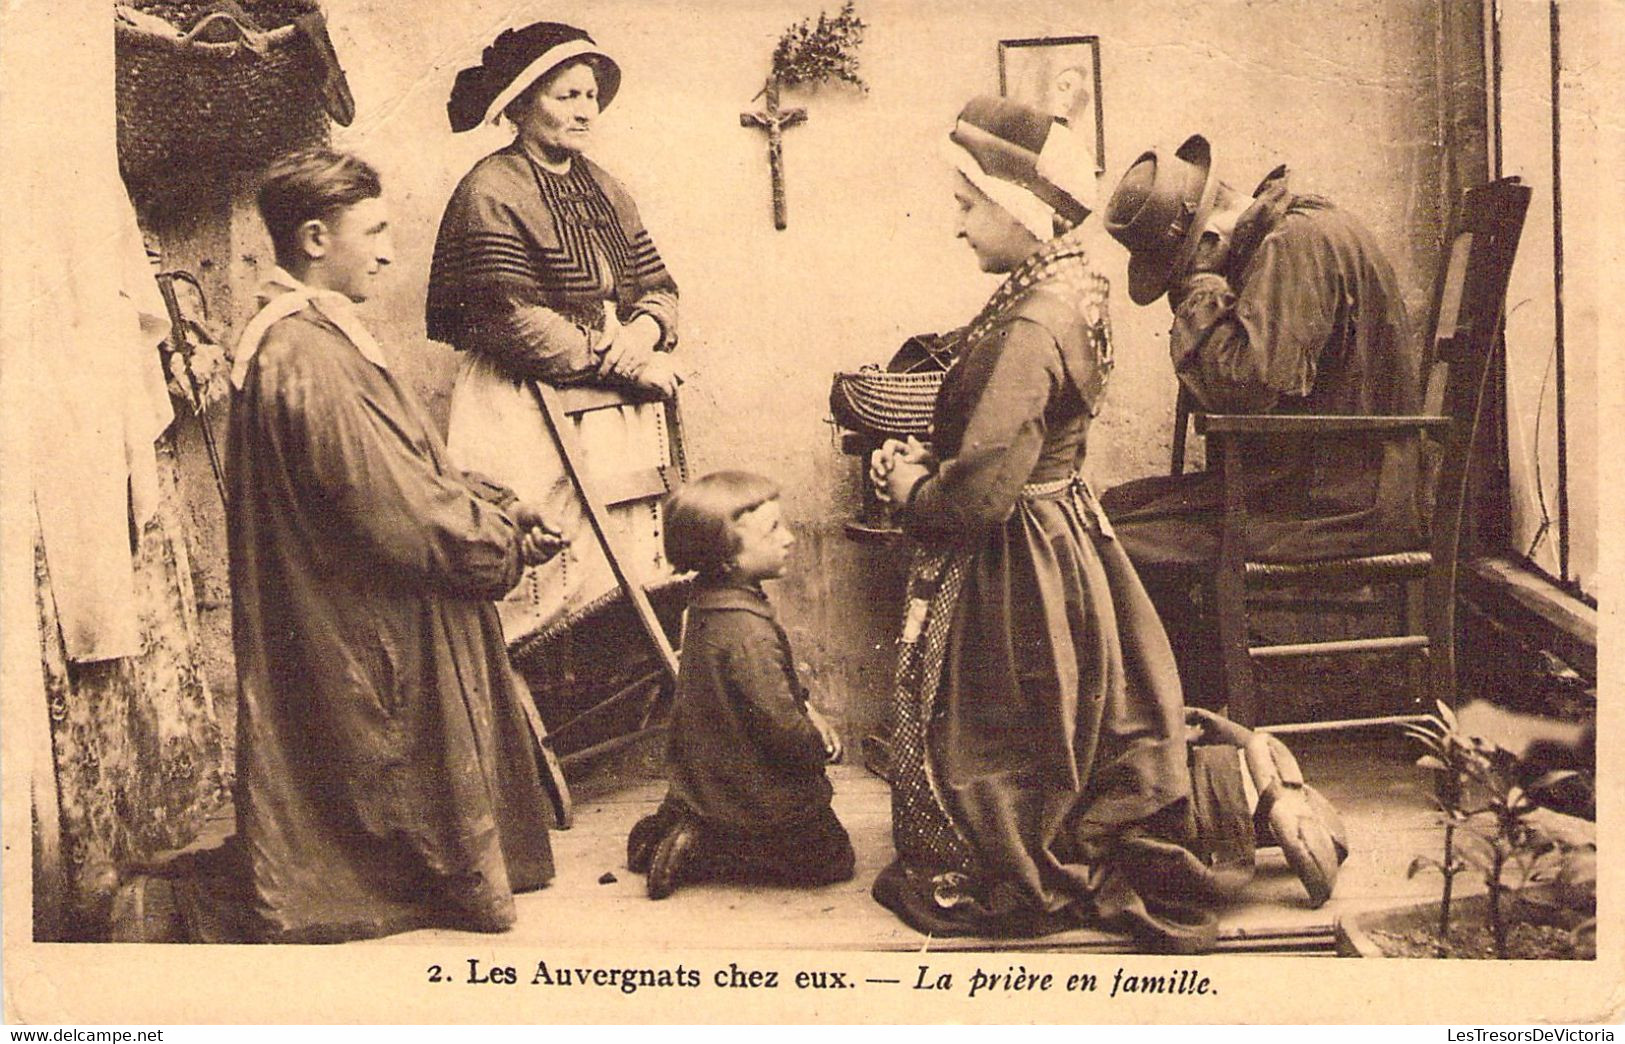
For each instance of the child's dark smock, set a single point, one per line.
(744, 754)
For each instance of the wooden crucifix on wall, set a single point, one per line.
(809, 53)
(775, 121)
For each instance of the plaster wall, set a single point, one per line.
(1343, 90)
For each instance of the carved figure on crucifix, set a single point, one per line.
(774, 120)
(809, 53)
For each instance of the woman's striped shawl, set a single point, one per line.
(515, 235)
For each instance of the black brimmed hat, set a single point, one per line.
(1159, 210)
(517, 59)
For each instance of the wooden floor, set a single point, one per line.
(595, 900)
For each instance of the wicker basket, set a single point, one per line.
(896, 401)
(199, 98)
(890, 405)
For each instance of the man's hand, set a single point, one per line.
(541, 539)
(833, 748)
(1181, 291)
(1212, 254)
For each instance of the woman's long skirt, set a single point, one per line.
(1039, 769)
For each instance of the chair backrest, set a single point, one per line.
(1469, 302)
(580, 400)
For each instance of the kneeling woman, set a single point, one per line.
(1039, 765)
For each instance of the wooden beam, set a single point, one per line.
(584, 398)
(609, 746)
(1311, 424)
(1548, 616)
(601, 709)
(1394, 644)
(1343, 724)
(625, 486)
(1307, 939)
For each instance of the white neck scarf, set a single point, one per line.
(281, 296)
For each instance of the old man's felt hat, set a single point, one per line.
(1005, 147)
(518, 58)
(1158, 211)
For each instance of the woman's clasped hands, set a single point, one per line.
(897, 466)
(629, 351)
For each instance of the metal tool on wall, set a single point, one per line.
(186, 336)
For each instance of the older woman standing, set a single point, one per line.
(543, 271)
(1039, 765)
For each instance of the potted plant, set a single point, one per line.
(1488, 811)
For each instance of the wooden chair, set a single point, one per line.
(1468, 304)
(603, 675)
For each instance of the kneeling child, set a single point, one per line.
(748, 798)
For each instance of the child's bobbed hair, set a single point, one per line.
(699, 519)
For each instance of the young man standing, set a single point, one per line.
(388, 775)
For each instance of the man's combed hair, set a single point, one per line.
(311, 184)
(699, 519)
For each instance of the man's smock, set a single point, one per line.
(1305, 318)
(386, 776)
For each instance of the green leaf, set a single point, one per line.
(1431, 764)
(1419, 864)
(1552, 779)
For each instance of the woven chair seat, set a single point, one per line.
(1363, 567)
(668, 597)
(595, 652)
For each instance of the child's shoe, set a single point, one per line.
(672, 856)
(641, 842)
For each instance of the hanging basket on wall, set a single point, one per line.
(895, 402)
(206, 89)
(874, 402)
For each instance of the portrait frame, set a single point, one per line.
(1030, 70)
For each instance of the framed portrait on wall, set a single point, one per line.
(1062, 75)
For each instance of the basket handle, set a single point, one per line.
(251, 36)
